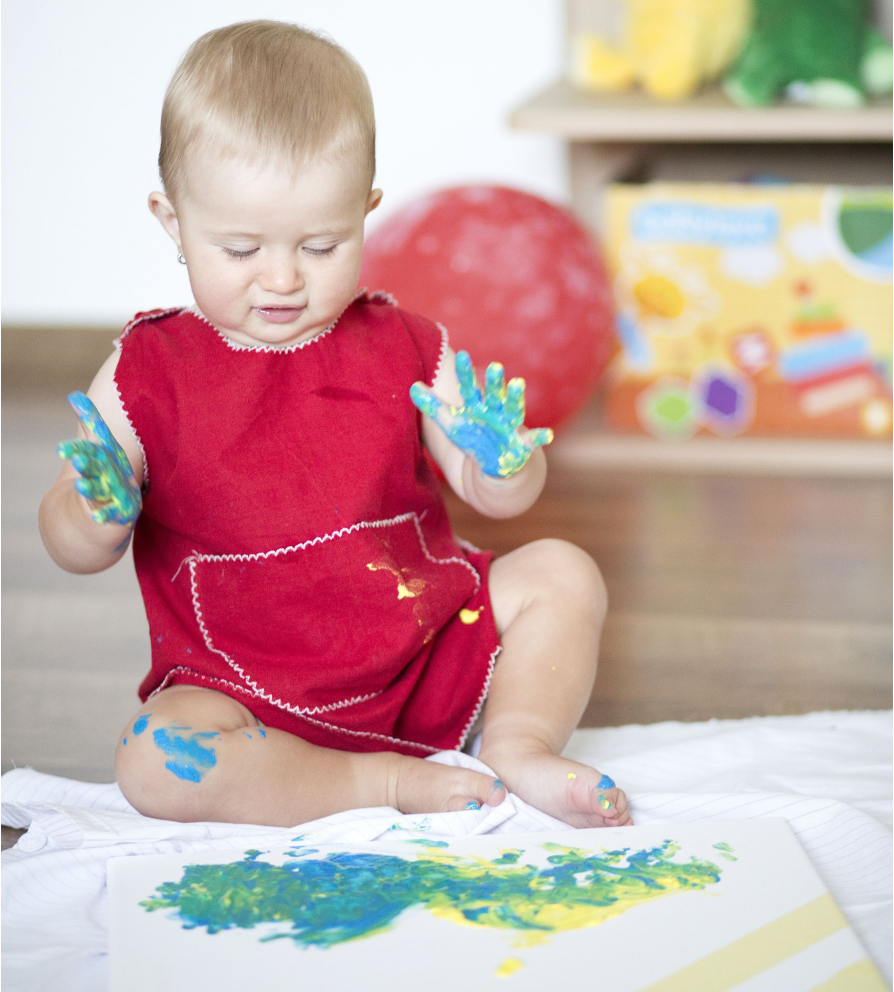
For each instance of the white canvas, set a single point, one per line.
(733, 904)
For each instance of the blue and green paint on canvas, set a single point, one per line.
(327, 898)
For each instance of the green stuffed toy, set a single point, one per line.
(820, 52)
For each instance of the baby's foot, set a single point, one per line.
(419, 786)
(574, 793)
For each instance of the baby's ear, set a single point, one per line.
(375, 198)
(164, 211)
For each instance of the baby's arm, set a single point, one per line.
(478, 439)
(88, 514)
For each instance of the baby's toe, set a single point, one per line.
(613, 807)
(476, 791)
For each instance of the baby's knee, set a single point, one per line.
(163, 773)
(167, 760)
(570, 576)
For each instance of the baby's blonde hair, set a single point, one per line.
(265, 89)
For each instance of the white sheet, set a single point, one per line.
(828, 774)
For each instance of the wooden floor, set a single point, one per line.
(731, 596)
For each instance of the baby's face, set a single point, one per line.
(273, 259)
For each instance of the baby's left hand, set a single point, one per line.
(106, 477)
(489, 426)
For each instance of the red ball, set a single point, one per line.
(514, 279)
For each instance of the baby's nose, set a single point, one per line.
(281, 274)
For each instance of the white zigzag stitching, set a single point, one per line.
(491, 664)
(444, 342)
(155, 315)
(270, 349)
(118, 345)
(257, 689)
(127, 417)
(301, 715)
(262, 693)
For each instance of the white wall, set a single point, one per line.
(82, 91)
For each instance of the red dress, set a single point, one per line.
(294, 551)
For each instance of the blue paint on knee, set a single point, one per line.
(190, 760)
(262, 732)
(141, 724)
(187, 772)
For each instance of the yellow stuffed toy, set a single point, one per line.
(670, 47)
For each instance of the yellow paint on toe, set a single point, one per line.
(470, 616)
(603, 802)
(509, 967)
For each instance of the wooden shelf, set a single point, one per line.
(632, 116)
(605, 451)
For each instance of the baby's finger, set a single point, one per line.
(85, 410)
(425, 400)
(91, 489)
(102, 514)
(468, 382)
(91, 420)
(515, 403)
(494, 386)
(68, 449)
(540, 436)
(85, 464)
(429, 404)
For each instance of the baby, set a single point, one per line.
(316, 628)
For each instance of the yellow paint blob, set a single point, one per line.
(658, 296)
(470, 616)
(571, 775)
(509, 967)
(405, 590)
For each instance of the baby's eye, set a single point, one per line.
(320, 251)
(233, 253)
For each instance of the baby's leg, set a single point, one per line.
(196, 754)
(549, 602)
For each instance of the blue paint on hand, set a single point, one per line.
(489, 425)
(605, 783)
(189, 759)
(106, 477)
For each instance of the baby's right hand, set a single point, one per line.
(106, 475)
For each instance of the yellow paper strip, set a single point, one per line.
(861, 976)
(758, 950)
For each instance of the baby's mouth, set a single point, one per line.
(278, 315)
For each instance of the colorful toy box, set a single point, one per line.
(760, 309)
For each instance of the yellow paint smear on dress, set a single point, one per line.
(470, 616)
(405, 590)
(509, 967)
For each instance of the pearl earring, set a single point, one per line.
(180, 258)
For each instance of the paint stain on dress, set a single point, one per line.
(470, 616)
(405, 589)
